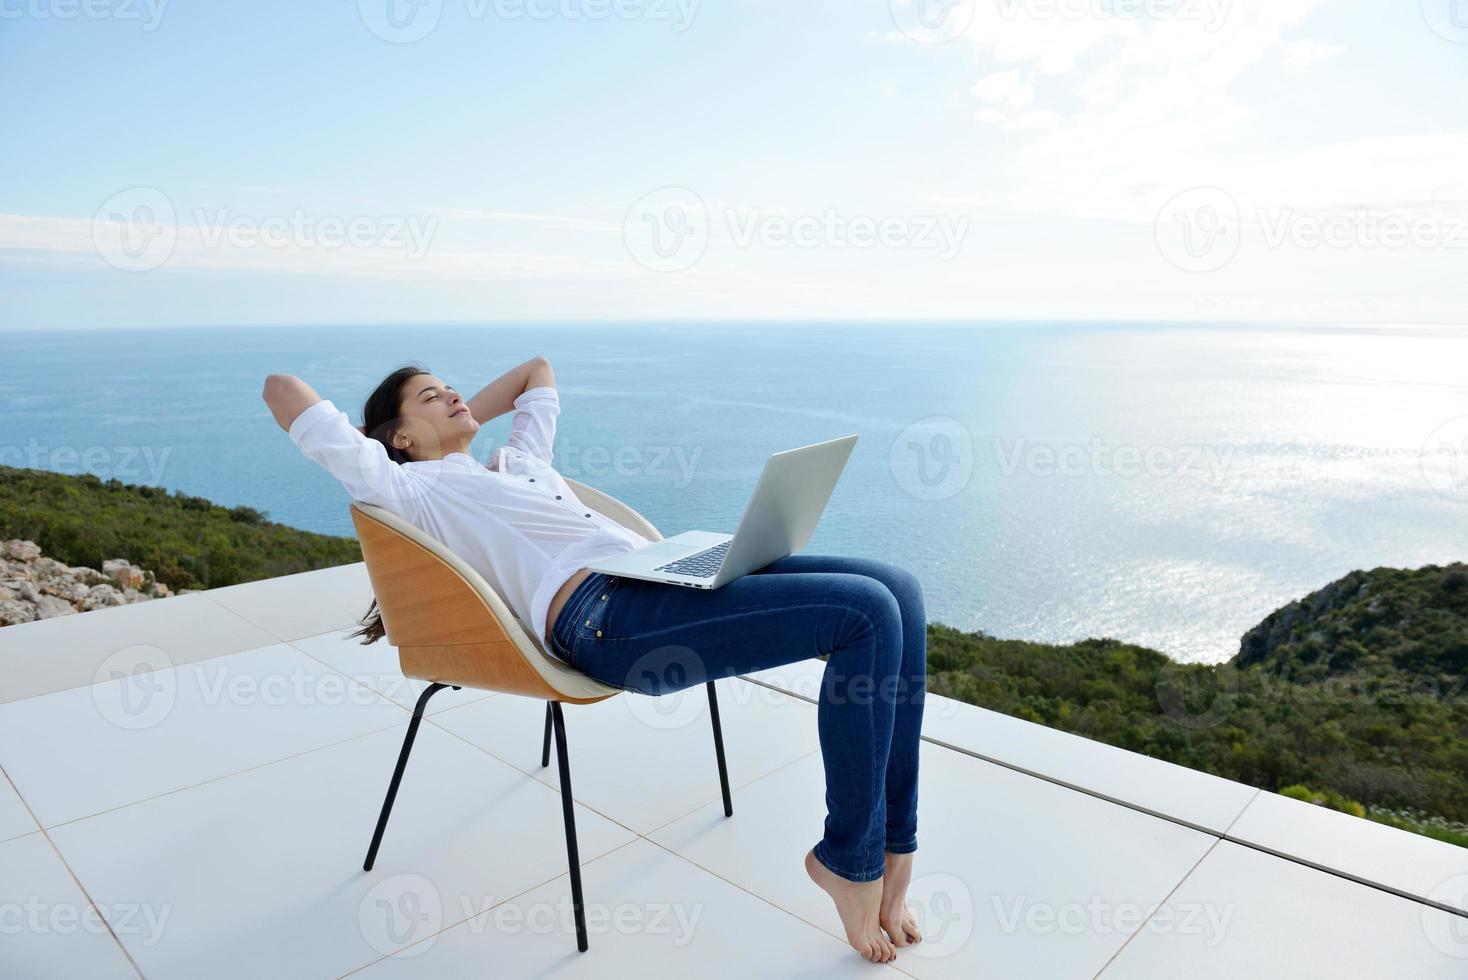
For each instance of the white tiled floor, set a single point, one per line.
(49, 929)
(144, 734)
(74, 651)
(996, 849)
(1419, 866)
(1244, 913)
(261, 872)
(375, 665)
(224, 836)
(649, 913)
(645, 761)
(305, 604)
(15, 819)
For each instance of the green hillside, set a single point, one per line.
(188, 542)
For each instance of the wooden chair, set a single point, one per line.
(453, 630)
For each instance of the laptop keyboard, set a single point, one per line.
(704, 564)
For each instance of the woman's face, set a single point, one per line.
(438, 419)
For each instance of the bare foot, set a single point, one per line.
(893, 914)
(858, 903)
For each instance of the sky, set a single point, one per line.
(176, 163)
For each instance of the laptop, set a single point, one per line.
(778, 520)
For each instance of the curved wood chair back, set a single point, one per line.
(451, 626)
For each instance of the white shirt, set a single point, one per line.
(519, 525)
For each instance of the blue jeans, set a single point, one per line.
(868, 615)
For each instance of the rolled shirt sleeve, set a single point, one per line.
(325, 435)
(533, 428)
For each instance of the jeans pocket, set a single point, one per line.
(595, 621)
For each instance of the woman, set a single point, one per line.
(518, 523)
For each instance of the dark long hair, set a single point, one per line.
(382, 416)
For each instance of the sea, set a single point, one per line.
(1168, 485)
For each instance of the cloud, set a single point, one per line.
(1006, 89)
(405, 253)
(1301, 55)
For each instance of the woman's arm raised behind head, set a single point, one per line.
(288, 396)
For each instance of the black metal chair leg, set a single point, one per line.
(567, 812)
(397, 776)
(545, 745)
(719, 750)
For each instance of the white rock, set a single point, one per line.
(102, 596)
(50, 607)
(22, 550)
(14, 611)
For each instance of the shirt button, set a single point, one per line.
(532, 479)
(558, 496)
(588, 622)
(588, 515)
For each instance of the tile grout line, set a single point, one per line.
(266, 629)
(762, 898)
(1170, 892)
(557, 790)
(487, 911)
(1222, 835)
(357, 679)
(228, 775)
(585, 864)
(70, 872)
(270, 634)
(269, 762)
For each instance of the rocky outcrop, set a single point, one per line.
(34, 587)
